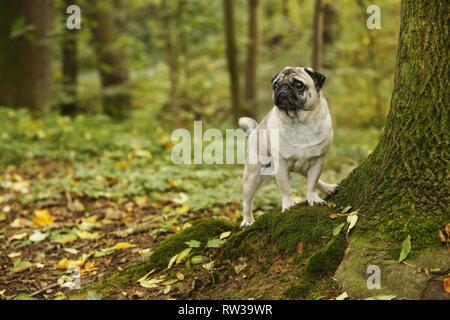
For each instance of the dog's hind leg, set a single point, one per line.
(251, 182)
(327, 188)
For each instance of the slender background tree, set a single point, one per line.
(69, 46)
(232, 60)
(254, 21)
(111, 59)
(317, 51)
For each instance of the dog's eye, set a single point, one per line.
(299, 85)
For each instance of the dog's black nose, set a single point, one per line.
(283, 97)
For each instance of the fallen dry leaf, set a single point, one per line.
(333, 216)
(442, 237)
(446, 284)
(13, 255)
(300, 247)
(21, 266)
(42, 218)
(65, 263)
(89, 266)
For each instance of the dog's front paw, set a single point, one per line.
(246, 223)
(314, 200)
(287, 203)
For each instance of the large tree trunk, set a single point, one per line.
(405, 181)
(402, 189)
(232, 53)
(111, 59)
(252, 53)
(317, 35)
(25, 56)
(69, 69)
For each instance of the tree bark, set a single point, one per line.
(317, 35)
(171, 22)
(25, 56)
(185, 66)
(285, 8)
(69, 69)
(252, 53)
(111, 59)
(403, 186)
(372, 62)
(232, 52)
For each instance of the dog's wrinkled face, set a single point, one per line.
(297, 88)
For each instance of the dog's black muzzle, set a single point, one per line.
(287, 99)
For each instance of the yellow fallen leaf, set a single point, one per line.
(89, 266)
(65, 263)
(42, 218)
(124, 245)
(183, 209)
(142, 202)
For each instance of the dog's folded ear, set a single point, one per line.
(273, 79)
(318, 78)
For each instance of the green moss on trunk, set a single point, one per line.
(320, 265)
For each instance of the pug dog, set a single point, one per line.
(302, 123)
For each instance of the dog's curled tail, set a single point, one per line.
(248, 124)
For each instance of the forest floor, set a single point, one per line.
(95, 196)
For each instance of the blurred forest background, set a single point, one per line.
(86, 116)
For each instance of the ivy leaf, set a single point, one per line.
(406, 249)
(337, 229)
(172, 261)
(352, 219)
(225, 235)
(198, 259)
(193, 244)
(346, 209)
(215, 243)
(342, 296)
(183, 255)
(382, 297)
